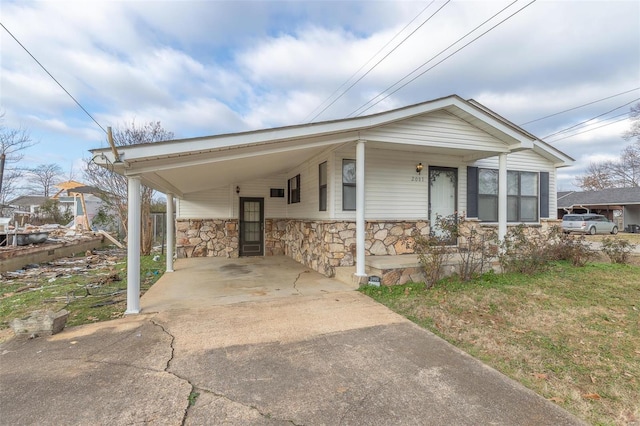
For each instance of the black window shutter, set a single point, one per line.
(289, 191)
(472, 192)
(544, 194)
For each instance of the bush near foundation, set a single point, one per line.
(618, 250)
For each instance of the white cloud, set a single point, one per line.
(211, 67)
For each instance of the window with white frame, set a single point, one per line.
(488, 195)
(522, 196)
(348, 184)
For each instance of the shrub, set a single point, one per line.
(433, 254)
(434, 250)
(618, 250)
(572, 248)
(522, 251)
(477, 250)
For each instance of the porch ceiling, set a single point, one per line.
(199, 174)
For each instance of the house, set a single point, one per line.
(608, 202)
(329, 194)
(28, 203)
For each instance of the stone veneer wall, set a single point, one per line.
(532, 230)
(321, 245)
(207, 237)
(324, 245)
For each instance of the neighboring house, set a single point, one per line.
(605, 202)
(27, 203)
(328, 194)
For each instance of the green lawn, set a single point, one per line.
(570, 334)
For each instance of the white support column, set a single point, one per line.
(133, 245)
(502, 196)
(171, 232)
(360, 202)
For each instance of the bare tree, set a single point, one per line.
(634, 131)
(43, 177)
(621, 173)
(12, 143)
(115, 185)
(596, 177)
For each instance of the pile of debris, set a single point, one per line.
(30, 235)
(94, 276)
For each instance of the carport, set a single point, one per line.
(199, 282)
(606, 202)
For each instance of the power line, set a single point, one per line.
(579, 106)
(382, 59)
(592, 118)
(366, 63)
(442, 60)
(595, 128)
(54, 79)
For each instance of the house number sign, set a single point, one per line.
(418, 179)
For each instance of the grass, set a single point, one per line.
(91, 292)
(570, 334)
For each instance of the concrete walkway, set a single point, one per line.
(331, 357)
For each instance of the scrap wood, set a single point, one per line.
(113, 240)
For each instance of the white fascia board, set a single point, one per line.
(525, 141)
(558, 158)
(266, 136)
(152, 180)
(231, 153)
(305, 133)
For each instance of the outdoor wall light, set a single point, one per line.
(419, 168)
(237, 190)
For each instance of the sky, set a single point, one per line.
(210, 67)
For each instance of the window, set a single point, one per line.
(488, 195)
(522, 196)
(294, 190)
(348, 184)
(322, 182)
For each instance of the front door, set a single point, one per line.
(443, 195)
(251, 226)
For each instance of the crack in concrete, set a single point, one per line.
(195, 389)
(168, 365)
(295, 283)
(267, 416)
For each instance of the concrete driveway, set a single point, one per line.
(330, 357)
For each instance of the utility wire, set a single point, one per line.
(357, 112)
(366, 63)
(593, 118)
(54, 79)
(595, 128)
(382, 59)
(579, 106)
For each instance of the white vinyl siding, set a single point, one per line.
(212, 204)
(223, 202)
(309, 206)
(394, 190)
(437, 129)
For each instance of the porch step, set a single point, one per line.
(346, 274)
(398, 269)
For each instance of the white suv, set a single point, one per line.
(588, 224)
